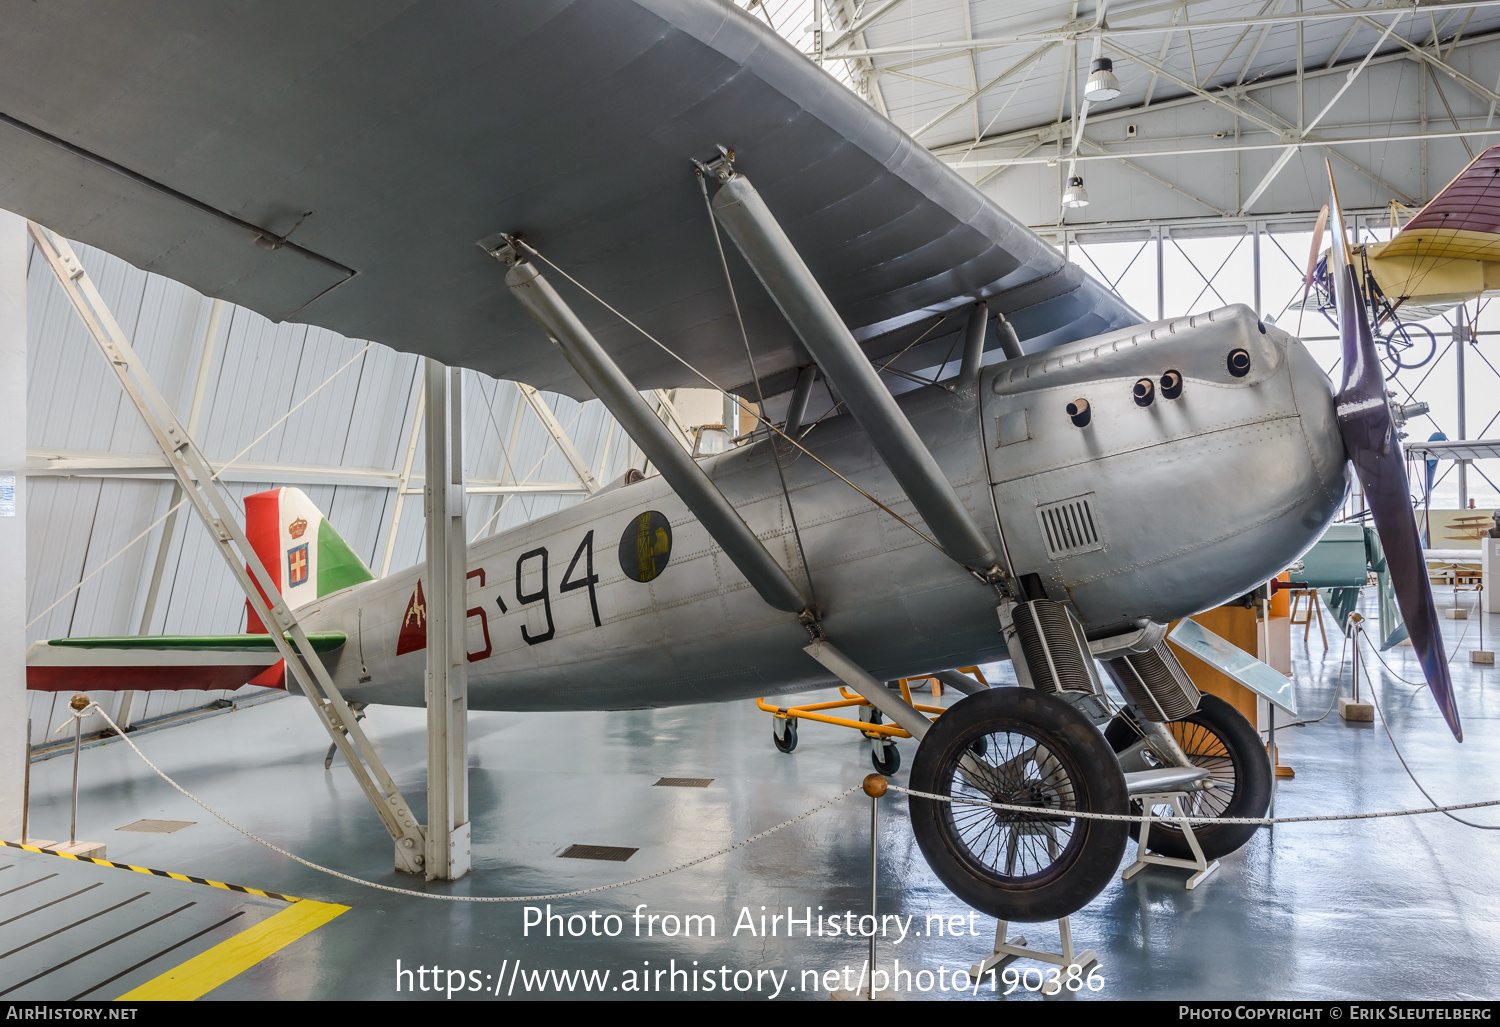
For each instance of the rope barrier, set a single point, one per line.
(1073, 814)
(1032, 811)
(458, 898)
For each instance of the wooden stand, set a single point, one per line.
(1314, 610)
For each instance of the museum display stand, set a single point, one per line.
(1008, 949)
(1202, 868)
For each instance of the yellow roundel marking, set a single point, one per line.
(645, 546)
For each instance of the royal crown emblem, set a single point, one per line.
(297, 527)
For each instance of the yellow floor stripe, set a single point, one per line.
(157, 873)
(206, 971)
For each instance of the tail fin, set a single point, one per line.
(302, 552)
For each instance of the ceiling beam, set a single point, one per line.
(1075, 33)
(1302, 131)
(1159, 180)
(1048, 130)
(1401, 137)
(979, 91)
(148, 466)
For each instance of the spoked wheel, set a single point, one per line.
(1218, 738)
(1408, 346)
(1040, 752)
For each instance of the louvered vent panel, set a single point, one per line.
(1070, 527)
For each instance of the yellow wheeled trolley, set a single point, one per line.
(883, 753)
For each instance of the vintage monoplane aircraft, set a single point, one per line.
(1082, 480)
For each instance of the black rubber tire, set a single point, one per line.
(1085, 776)
(1218, 737)
(789, 742)
(890, 764)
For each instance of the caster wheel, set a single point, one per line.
(889, 760)
(787, 740)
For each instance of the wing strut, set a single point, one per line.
(796, 408)
(979, 320)
(680, 470)
(812, 316)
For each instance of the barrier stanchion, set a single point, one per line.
(874, 785)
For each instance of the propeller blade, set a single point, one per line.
(1369, 432)
(1312, 262)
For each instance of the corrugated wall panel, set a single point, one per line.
(257, 373)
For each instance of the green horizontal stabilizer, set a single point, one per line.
(322, 642)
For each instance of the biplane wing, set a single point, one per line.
(335, 164)
(1462, 222)
(1450, 251)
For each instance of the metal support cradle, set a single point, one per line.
(1008, 949)
(1144, 857)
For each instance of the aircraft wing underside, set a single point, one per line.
(406, 130)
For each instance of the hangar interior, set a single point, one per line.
(1190, 179)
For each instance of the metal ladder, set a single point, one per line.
(218, 513)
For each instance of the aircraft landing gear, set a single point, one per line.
(1218, 738)
(1408, 346)
(1037, 751)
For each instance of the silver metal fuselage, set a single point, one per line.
(1147, 513)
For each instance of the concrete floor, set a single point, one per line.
(1391, 908)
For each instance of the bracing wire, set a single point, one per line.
(715, 385)
(181, 502)
(760, 395)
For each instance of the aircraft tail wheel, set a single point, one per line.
(1219, 738)
(1038, 751)
(784, 734)
(886, 759)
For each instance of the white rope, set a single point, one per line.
(1070, 814)
(460, 898)
(89, 577)
(1407, 767)
(1451, 656)
(300, 403)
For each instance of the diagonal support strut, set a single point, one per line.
(754, 229)
(197, 481)
(677, 466)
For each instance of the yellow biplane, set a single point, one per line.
(1447, 254)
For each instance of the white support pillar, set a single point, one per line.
(1461, 338)
(1161, 279)
(1255, 261)
(447, 658)
(12, 521)
(398, 500)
